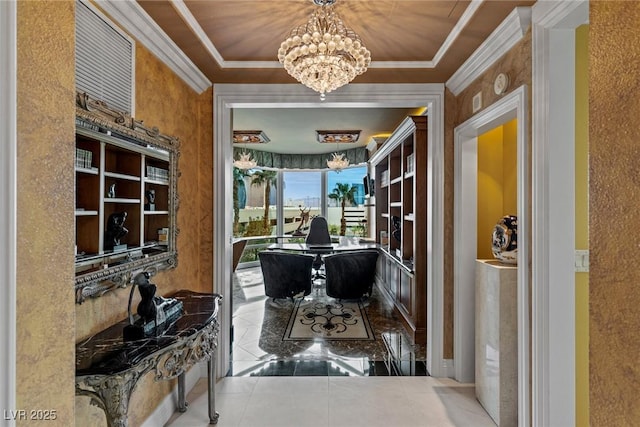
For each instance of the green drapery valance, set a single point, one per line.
(301, 161)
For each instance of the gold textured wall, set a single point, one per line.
(517, 64)
(497, 181)
(45, 365)
(162, 99)
(614, 217)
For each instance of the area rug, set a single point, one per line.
(329, 321)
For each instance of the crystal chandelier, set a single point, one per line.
(337, 162)
(245, 161)
(324, 54)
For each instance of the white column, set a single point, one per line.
(8, 131)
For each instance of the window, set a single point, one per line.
(302, 191)
(355, 213)
(255, 202)
(302, 199)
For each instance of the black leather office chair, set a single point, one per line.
(350, 274)
(319, 243)
(285, 274)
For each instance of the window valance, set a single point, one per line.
(301, 161)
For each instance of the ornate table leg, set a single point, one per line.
(110, 393)
(182, 403)
(211, 389)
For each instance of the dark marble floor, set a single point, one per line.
(259, 350)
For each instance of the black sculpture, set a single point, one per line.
(150, 194)
(115, 230)
(396, 233)
(147, 309)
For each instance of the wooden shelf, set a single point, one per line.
(122, 176)
(402, 274)
(156, 181)
(122, 164)
(121, 200)
(90, 171)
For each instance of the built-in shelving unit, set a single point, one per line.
(117, 183)
(122, 169)
(401, 221)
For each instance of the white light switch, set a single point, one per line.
(582, 261)
(477, 102)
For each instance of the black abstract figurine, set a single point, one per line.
(396, 233)
(115, 230)
(147, 309)
(150, 194)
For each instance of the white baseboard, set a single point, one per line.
(169, 404)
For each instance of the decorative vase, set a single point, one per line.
(505, 240)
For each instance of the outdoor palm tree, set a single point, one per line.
(267, 178)
(342, 194)
(239, 196)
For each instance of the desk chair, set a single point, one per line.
(285, 274)
(317, 238)
(350, 275)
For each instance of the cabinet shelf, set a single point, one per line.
(121, 200)
(156, 181)
(402, 274)
(122, 176)
(90, 171)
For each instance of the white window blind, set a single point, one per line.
(104, 59)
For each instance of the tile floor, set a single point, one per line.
(336, 401)
(276, 383)
(259, 349)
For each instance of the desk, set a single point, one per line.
(107, 368)
(345, 245)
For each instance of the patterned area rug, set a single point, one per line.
(329, 321)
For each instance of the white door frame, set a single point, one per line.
(8, 214)
(230, 96)
(512, 106)
(553, 228)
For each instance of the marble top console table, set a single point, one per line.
(108, 368)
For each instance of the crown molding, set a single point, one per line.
(134, 20)
(192, 22)
(503, 38)
(457, 29)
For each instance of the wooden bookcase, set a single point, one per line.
(401, 200)
(125, 170)
(118, 169)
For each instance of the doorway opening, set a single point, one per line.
(466, 219)
(228, 97)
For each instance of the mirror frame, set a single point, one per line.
(95, 116)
